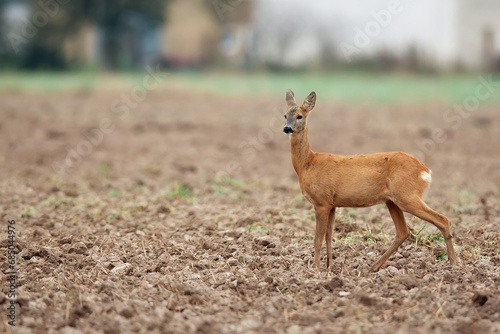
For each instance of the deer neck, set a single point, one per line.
(301, 151)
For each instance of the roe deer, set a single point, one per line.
(329, 181)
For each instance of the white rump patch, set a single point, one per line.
(426, 177)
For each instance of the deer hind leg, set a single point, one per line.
(322, 214)
(421, 210)
(329, 231)
(402, 233)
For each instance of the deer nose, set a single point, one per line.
(287, 130)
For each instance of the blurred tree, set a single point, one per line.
(117, 18)
(52, 22)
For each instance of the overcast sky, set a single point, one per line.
(425, 23)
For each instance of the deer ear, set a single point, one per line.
(309, 102)
(290, 98)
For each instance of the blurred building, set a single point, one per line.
(80, 47)
(190, 34)
(478, 34)
(198, 32)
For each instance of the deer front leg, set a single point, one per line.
(329, 231)
(322, 214)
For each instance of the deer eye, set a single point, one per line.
(285, 116)
(299, 117)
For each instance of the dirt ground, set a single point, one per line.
(187, 217)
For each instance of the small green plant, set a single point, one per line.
(344, 219)
(229, 181)
(58, 202)
(299, 198)
(180, 190)
(104, 168)
(425, 239)
(352, 212)
(440, 256)
(255, 227)
(369, 237)
(311, 215)
(28, 211)
(350, 237)
(436, 237)
(220, 189)
(115, 193)
(465, 199)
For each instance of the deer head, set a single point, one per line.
(296, 116)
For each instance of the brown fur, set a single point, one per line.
(329, 181)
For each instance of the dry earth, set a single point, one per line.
(187, 218)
